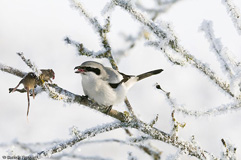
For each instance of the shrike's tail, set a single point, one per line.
(131, 80)
(148, 74)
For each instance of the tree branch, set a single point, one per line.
(171, 40)
(11, 70)
(86, 134)
(102, 31)
(234, 13)
(216, 46)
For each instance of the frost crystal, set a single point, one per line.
(108, 8)
(49, 153)
(217, 47)
(234, 13)
(73, 131)
(235, 85)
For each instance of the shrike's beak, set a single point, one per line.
(79, 69)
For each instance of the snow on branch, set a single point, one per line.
(173, 104)
(216, 46)
(161, 7)
(227, 61)
(83, 100)
(84, 51)
(11, 70)
(234, 13)
(92, 20)
(81, 136)
(138, 16)
(224, 108)
(102, 31)
(108, 8)
(229, 150)
(184, 146)
(173, 43)
(171, 57)
(153, 152)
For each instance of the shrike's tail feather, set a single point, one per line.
(133, 79)
(148, 74)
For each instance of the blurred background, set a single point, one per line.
(38, 28)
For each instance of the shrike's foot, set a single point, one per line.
(108, 109)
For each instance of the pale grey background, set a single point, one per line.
(38, 27)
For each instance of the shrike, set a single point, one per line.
(105, 85)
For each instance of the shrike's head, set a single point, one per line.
(91, 68)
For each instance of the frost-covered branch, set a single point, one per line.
(170, 56)
(31, 147)
(81, 136)
(211, 112)
(234, 13)
(138, 16)
(153, 152)
(185, 147)
(102, 31)
(229, 151)
(217, 47)
(153, 122)
(167, 35)
(84, 51)
(173, 104)
(161, 7)
(153, 13)
(11, 70)
(67, 96)
(224, 108)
